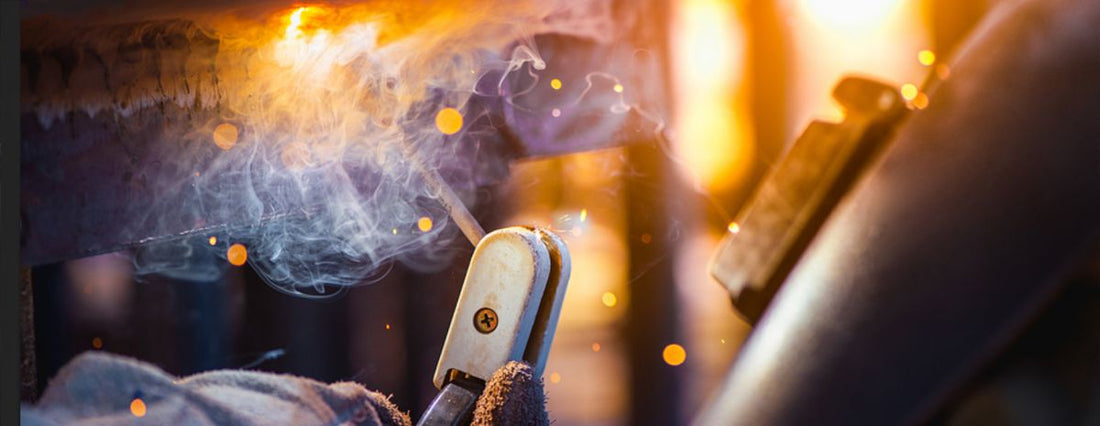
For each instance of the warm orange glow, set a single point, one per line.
(97, 343)
(921, 101)
(926, 57)
(555, 378)
(584, 214)
(715, 133)
(425, 224)
(296, 155)
(225, 136)
(448, 121)
(555, 84)
(734, 227)
(849, 14)
(237, 254)
(293, 29)
(137, 407)
(609, 299)
(943, 71)
(213, 240)
(387, 326)
(595, 347)
(646, 238)
(674, 355)
(909, 91)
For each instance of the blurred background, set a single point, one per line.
(645, 334)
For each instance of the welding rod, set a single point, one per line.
(458, 211)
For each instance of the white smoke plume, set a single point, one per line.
(302, 121)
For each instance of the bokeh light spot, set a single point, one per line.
(921, 101)
(609, 299)
(584, 215)
(555, 112)
(555, 84)
(555, 378)
(926, 57)
(213, 240)
(97, 343)
(424, 224)
(909, 91)
(674, 354)
(137, 407)
(646, 238)
(237, 254)
(448, 121)
(734, 228)
(225, 136)
(595, 347)
(618, 88)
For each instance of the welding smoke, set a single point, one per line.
(313, 117)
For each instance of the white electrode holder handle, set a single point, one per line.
(509, 304)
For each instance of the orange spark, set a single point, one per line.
(137, 407)
(237, 254)
(674, 355)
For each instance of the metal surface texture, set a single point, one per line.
(452, 407)
(956, 238)
(800, 193)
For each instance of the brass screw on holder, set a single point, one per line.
(485, 320)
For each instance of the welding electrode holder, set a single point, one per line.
(507, 311)
(800, 193)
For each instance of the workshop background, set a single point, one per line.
(645, 334)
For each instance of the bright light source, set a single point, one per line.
(849, 14)
(237, 254)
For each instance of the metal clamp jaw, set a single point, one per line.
(795, 199)
(507, 311)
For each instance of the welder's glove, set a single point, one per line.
(513, 396)
(107, 389)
